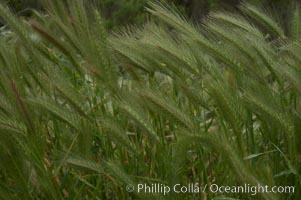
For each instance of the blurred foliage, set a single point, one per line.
(21, 5)
(124, 12)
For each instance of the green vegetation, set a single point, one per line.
(84, 113)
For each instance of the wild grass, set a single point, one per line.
(83, 112)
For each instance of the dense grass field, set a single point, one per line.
(91, 114)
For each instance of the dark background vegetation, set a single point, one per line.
(123, 12)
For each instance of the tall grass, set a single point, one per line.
(84, 113)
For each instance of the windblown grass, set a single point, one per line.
(84, 113)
